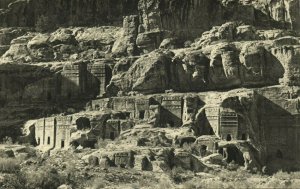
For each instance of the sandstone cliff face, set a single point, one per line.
(65, 12)
(190, 17)
(286, 12)
(186, 18)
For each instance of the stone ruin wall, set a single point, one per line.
(46, 132)
(39, 131)
(50, 132)
(63, 131)
(53, 132)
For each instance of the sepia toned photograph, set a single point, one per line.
(149, 94)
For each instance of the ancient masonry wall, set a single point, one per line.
(282, 124)
(50, 132)
(139, 108)
(172, 110)
(63, 133)
(53, 132)
(40, 132)
(212, 115)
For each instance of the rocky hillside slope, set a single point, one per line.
(103, 69)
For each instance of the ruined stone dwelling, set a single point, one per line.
(53, 132)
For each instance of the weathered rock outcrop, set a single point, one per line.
(230, 31)
(149, 73)
(218, 66)
(126, 43)
(62, 44)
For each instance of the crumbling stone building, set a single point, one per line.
(53, 132)
(63, 131)
(46, 132)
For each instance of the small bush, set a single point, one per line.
(7, 140)
(101, 143)
(189, 185)
(282, 175)
(13, 181)
(179, 175)
(8, 165)
(98, 183)
(295, 175)
(165, 183)
(232, 166)
(46, 177)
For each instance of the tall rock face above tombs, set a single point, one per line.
(66, 12)
(187, 18)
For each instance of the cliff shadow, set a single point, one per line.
(277, 123)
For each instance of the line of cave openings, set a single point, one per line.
(48, 140)
(229, 137)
